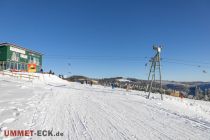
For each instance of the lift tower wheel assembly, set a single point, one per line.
(155, 66)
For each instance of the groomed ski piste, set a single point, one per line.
(84, 112)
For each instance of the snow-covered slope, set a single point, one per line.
(83, 112)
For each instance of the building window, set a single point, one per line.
(15, 66)
(4, 65)
(1, 65)
(19, 66)
(34, 60)
(8, 65)
(26, 67)
(12, 65)
(37, 61)
(15, 56)
(22, 66)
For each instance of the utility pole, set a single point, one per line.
(155, 66)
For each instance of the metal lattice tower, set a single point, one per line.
(155, 66)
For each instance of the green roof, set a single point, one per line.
(13, 45)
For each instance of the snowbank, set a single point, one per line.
(35, 77)
(86, 112)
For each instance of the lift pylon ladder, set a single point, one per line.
(155, 65)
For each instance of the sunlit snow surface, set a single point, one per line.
(83, 112)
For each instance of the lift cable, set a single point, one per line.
(138, 59)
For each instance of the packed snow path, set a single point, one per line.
(83, 112)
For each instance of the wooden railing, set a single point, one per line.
(19, 75)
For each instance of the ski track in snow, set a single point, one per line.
(83, 112)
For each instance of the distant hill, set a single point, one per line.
(174, 85)
(76, 78)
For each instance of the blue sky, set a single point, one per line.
(105, 38)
